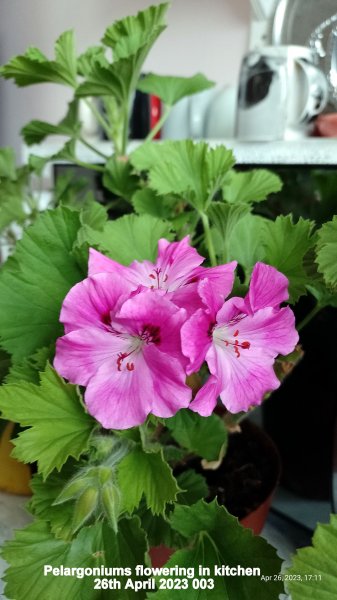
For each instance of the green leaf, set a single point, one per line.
(286, 245)
(158, 529)
(173, 89)
(65, 56)
(327, 252)
(129, 238)
(219, 539)
(204, 436)
(194, 487)
(35, 281)
(225, 217)
(118, 177)
(135, 35)
(35, 546)
(36, 131)
(13, 196)
(94, 215)
(33, 67)
(112, 80)
(7, 163)
(184, 167)
(250, 186)
(131, 39)
(5, 363)
(245, 243)
(28, 369)
(44, 494)
(146, 473)
(91, 55)
(58, 426)
(315, 568)
(147, 202)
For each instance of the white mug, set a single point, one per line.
(187, 117)
(280, 92)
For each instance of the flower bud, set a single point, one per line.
(71, 490)
(111, 501)
(84, 508)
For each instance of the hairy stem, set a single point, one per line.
(104, 124)
(92, 148)
(89, 166)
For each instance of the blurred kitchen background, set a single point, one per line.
(210, 37)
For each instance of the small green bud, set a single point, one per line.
(104, 475)
(84, 507)
(111, 502)
(71, 490)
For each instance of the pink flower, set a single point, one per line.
(176, 271)
(240, 340)
(125, 348)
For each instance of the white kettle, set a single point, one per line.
(280, 91)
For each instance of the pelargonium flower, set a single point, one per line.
(125, 347)
(176, 271)
(240, 340)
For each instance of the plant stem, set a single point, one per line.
(208, 239)
(308, 318)
(99, 117)
(158, 125)
(125, 131)
(91, 147)
(86, 165)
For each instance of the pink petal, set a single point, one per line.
(231, 309)
(206, 398)
(268, 287)
(120, 399)
(177, 260)
(243, 381)
(90, 302)
(210, 297)
(187, 297)
(220, 282)
(272, 331)
(99, 263)
(81, 353)
(245, 371)
(170, 390)
(196, 339)
(152, 309)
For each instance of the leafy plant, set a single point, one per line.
(122, 453)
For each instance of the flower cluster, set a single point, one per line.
(133, 334)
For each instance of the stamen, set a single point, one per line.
(158, 277)
(236, 344)
(120, 359)
(121, 356)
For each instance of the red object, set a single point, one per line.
(326, 125)
(256, 519)
(159, 555)
(155, 114)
